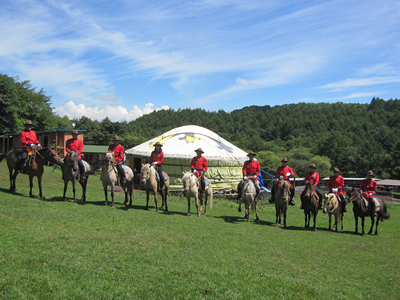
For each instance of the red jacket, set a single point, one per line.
(118, 153)
(28, 137)
(199, 163)
(368, 187)
(74, 145)
(251, 168)
(336, 183)
(281, 171)
(314, 178)
(157, 157)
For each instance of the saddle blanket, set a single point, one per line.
(376, 202)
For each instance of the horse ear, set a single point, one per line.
(326, 195)
(183, 172)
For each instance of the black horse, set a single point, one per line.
(360, 210)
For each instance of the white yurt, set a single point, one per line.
(225, 161)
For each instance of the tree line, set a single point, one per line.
(350, 136)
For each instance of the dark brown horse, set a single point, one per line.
(34, 166)
(282, 198)
(310, 204)
(360, 210)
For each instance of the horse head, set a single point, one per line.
(188, 180)
(283, 191)
(73, 159)
(109, 158)
(309, 189)
(329, 203)
(146, 172)
(51, 155)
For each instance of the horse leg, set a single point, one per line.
(362, 225)
(341, 221)
(112, 194)
(105, 193)
(255, 207)
(277, 221)
(188, 199)
(155, 199)
(284, 218)
(330, 219)
(166, 199)
(372, 224)
(305, 219)
(126, 195)
(12, 180)
(248, 213)
(30, 186)
(201, 204)
(74, 189)
(84, 185)
(147, 199)
(356, 221)
(65, 188)
(40, 187)
(377, 223)
(315, 220)
(197, 205)
(205, 203)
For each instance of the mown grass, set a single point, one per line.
(56, 249)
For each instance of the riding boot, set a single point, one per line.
(20, 167)
(319, 203)
(292, 191)
(373, 207)
(123, 181)
(344, 206)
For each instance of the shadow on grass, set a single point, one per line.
(7, 191)
(238, 220)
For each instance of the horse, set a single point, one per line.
(71, 173)
(361, 209)
(282, 197)
(248, 193)
(148, 178)
(191, 189)
(109, 177)
(332, 207)
(310, 204)
(34, 166)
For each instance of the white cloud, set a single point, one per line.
(114, 113)
(352, 82)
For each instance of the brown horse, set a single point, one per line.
(34, 166)
(361, 210)
(282, 197)
(310, 204)
(149, 180)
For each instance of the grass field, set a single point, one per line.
(64, 250)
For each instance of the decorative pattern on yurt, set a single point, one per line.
(225, 161)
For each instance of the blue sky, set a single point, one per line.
(126, 58)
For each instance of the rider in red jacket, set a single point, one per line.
(336, 185)
(156, 159)
(119, 153)
(199, 166)
(283, 173)
(368, 189)
(251, 170)
(313, 177)
(29, 141)
(76, 144)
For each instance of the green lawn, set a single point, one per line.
(64, 250)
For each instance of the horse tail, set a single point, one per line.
(385, 214)
(210, 199)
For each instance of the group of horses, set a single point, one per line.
(331, 206)
(34, 167)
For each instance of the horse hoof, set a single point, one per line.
(239, 210)
(188, 214)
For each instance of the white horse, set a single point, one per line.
(248, 194)
(332, 207)
(148, 178)
(109, 177)
(128, 187)
(191, 186)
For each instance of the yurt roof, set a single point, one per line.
(181, 142)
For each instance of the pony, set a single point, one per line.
(191, 189)
(310, 204)
(109, 177)
(361, 209)
(33, 168)
(248, 193)
(332, 207)
(282, 197)
(148, 178)
(71, 173)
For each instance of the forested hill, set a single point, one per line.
(353, 137)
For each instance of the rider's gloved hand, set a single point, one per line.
(194, 171)
(288, 174)
(245, 177)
